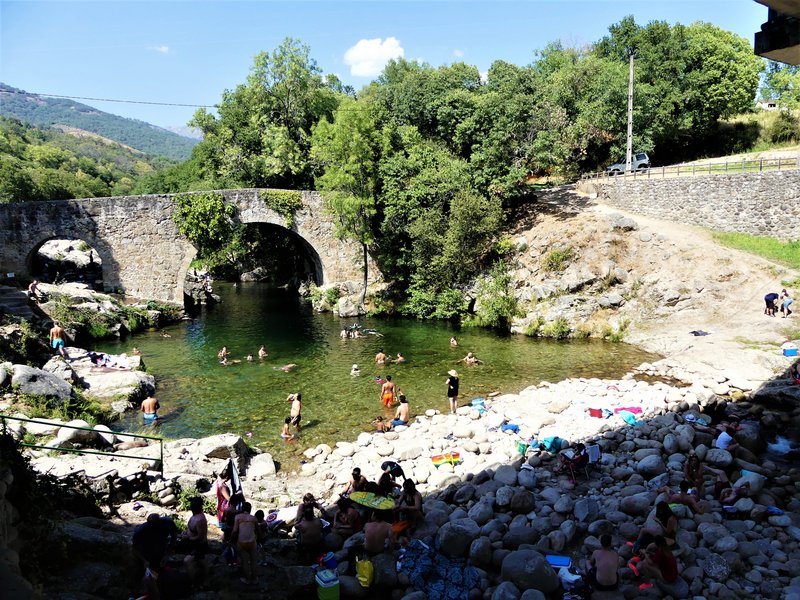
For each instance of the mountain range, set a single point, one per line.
(43, 111)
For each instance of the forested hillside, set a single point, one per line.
(44, 112)
(47, 164)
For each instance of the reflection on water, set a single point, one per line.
(201, 397)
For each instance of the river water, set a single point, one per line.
(201, 397)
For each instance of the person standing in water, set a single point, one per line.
(150, 408)
(452, 389)
(262, 353)
(388, 392)
(222, 355)
(297, 407)
(380, 357)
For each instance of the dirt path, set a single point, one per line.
(729, 287)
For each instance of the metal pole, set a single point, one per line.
(629, 148)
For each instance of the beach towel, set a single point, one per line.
(436, 575)
(628, 417)
(636, 410)
(596, 412)
(551, 444)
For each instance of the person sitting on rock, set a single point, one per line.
(603, 566)
(408, 511)
(683, 497)
(693, 473)
(377, 533)
(347, 520)
(663, 523)
(356, 484)
(308, 531)
(724, 491)
(381, 426)
(309, 503)
(726, 441)
(659, 563)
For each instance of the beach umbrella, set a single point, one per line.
(371, 500)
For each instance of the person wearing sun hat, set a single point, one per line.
(452, 389)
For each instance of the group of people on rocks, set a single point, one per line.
(654, 552)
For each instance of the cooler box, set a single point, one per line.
(558, 562)
(327, 585)
(790, 351)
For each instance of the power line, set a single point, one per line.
(22, 93)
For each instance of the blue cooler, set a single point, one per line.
(790, 351)
(327, 585)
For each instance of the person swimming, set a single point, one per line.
(355, 370)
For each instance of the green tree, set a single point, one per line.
(206, 220)
(687, 78)
(782, 84)
(348, 150)
(262, 136)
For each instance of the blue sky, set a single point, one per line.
(189, 52)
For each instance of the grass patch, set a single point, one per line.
(557, 260)
(786, 253)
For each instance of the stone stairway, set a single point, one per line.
(15, 301)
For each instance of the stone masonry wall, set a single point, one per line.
(766, 203)
(142, 251)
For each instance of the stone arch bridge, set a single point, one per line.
(142, 251)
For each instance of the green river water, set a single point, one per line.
(200, 397)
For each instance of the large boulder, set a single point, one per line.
(522, 502)
(76, 436)
(36, 382)
(61, 368)
(717, 457)
(224, 446)
(650, 466)
(636, 505)
(455, 538)
(528, 569)
(261, 466)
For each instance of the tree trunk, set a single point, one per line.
(364, 291)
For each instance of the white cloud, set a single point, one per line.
(484, 76)
(368, 57)
(160, 49)
(458, 53)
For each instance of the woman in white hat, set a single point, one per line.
(452, 389)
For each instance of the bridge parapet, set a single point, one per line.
(142, 251)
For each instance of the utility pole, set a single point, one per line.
(629, 148)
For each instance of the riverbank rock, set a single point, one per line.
(528, 569)
(36, 382)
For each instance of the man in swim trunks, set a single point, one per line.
(150, 408)
(57, 339)
(401, 417)
(297, 407)
(380, 357)
(388, 392)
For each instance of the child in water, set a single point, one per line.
(381, 426)
(286, 434)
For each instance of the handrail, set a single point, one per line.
(160, 458)
(712, 168)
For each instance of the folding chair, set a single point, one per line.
(594, 454)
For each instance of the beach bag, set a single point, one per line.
(365, 572)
